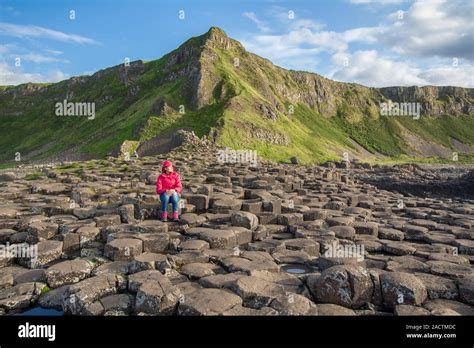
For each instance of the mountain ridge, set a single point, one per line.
(212, 85)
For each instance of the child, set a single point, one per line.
(168, 186)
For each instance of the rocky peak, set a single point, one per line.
(216, 37)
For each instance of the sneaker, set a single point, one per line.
(175, 216)
(164, 216)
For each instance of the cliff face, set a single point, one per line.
(445, 100)
(213, 85)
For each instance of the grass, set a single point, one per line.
(313, 136)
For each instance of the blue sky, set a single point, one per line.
(375, 43)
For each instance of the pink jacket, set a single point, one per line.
(168, 182)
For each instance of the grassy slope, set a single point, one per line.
(313, 137)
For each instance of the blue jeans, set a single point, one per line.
(165, 200)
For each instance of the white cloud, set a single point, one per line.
(14, 76)
(367, 35)
(12, 52)
(260, 24)
(296, 24)
(432, 28)
(369, 69)
(33, 31)
(461, 76)
(39, 58)
(419, 46)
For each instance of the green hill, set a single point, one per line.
(212, 85)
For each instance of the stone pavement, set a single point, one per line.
(275, 239)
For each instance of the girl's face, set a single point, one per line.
(168, 169)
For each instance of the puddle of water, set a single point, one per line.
(296, 269)
(41, 312)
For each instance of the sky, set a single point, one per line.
(374, 43)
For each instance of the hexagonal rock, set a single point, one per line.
(347, 285)
(335, 205)
(330, 309)
(116, 267)
(208, 302)
(391, 234)
(87, 234)
(413, 232)
(344, 232)
(457, 259)
(219, 239)
(149, 261)
(159, 297)
(79, 298)
(123, 249)
(466, 290)
(402, 288)
(255, 292)
(448, 307)
(309, 246)
(242, 235)
(201, 202)
(7, 213)
(294, 304)
(68, 272)
(290, 219)
(198, 270)
(340, 221)
(245, 311)
(244, 219)
(466, 246)
(405, 310)
(226, 205)
(398, 248)
(20, 295)
(325, 262)
(137, 279)
(107, 220)
(5, 234)
(154, 242)
(291, 256)
(439, 287)
(127, 213)
(27, 275)
(221, 280)
(407, 264)
(370, 228)
(450, 270)
(236, 264)
(314, 214)
(194, 245)
(253, 207)
(41, 230)
(151, 226)
(48, 250)
(193, 219)
(85, 213)
(53, 298)
(289, 282)
(119, 304)
(185, 257)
